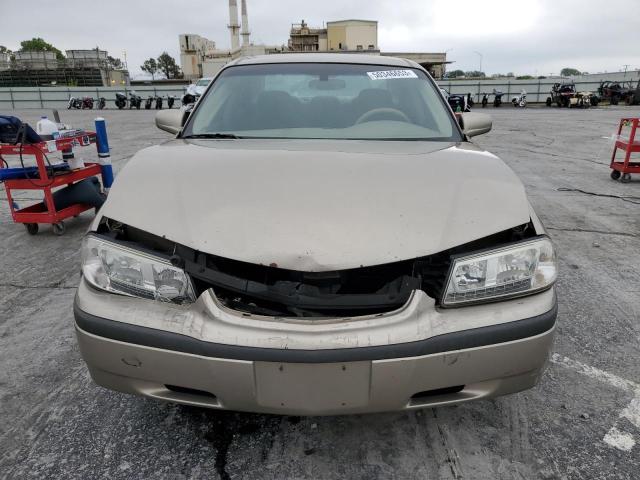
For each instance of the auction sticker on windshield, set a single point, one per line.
(384, 74)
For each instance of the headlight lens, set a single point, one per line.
(516, 270)
(118, 269)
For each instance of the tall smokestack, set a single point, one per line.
(234, 28)
(245, 25)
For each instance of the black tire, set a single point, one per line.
(615, 174)
(32, 228)
(58, 228)
(614, 100)
(549, 101)
(594, 102)
(484, 103)
(625, 178)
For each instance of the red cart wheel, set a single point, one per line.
(615, 174)
(58, 228)
(32, 228)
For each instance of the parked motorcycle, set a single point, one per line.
(121, 100)
(485, 100)
(135, 101)
(158, 102)
(520, 100)
(75, 103)
(87, 103)
(148, 102)
(170, 100)
(101, 103)
(497, 100)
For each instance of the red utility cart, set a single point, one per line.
(47, 180)
(623, 169)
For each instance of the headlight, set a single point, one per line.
(118, 269)
(516, 270)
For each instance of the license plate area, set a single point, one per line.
(313, 387)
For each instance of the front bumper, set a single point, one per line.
(177, 359)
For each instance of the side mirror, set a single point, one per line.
(474, 124)
(170, 121)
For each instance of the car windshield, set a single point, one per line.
(323, 101)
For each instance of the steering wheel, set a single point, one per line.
(366, 117)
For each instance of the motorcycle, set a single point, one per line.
(485, 100)
(75, 103)
(135, 101)
(520, 100)
(148, 102)
(170, 100)
(121, 100)
(102, 102)
(158, 102)
(497, 100)
(87, 103)
(188, 99)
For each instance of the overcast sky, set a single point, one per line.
(534, 36)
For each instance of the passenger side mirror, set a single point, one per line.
(171, 121)
(474, 124)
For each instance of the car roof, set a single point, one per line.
(326, 58)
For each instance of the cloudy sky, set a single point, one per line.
(531, 36)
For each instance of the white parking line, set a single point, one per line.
(615, 437)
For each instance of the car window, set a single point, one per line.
(322, 100)
(203, 82)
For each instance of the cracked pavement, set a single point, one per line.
(57, 424)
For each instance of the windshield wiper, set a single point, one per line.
(212, 135)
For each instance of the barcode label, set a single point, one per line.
(385, 74)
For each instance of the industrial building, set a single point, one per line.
(194, 50)
(199, 56)
(356, 36)
(341, 35)
(83, 68)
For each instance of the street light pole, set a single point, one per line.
(480, 55)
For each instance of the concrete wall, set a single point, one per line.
(537, 90)
(58, 97)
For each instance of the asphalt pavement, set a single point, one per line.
(581, 422)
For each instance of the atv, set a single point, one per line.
(583, 100)
(616, 92)
(561, 94)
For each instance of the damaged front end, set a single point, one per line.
(267, 290)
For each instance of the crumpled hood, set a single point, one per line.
(317, 205)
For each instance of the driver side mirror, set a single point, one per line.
(171, 121)
(474, 124)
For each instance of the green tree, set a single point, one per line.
(114, 63)
(168, 66)
(37, 44)
(150, 66)
(475, 74)
(569, 72)
(455, 74)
